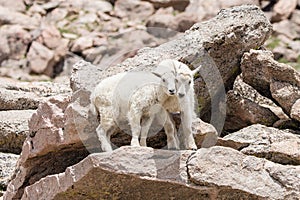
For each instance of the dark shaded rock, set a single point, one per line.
(242, 112)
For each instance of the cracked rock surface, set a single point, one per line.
(143, 171)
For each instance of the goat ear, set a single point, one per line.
(156, 74)
(196, 70)
(159, 71)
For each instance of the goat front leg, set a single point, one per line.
(186, 123)
(170, 129)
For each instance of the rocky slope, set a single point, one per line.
(43, 39)
(61, 132)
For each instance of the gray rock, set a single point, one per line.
(283, 9)
(233, 175)
(88, 5)
(165, 24)
(17, 5)
(8, 163)
(177, 5)
(14, 129)
(162, 25)
(273, 144)
(242, 112)
(14, 42)
(285, 94)
(41, 60)
(295, 110)
(205, 10)
(205, 134)
(296, 17)
(82, 43)
(287, 28)
(133, 173)
(272, 79)
(133, 9)
(8, 16)
(286, 53)
(24, 95)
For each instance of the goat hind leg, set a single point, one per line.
(145, 129)
(103, 137)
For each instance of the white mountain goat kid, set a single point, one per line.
(182, 102)
(130, 98)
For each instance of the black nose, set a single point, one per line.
(181, 95)
(171, 91)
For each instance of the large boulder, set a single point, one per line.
(246, 106)
(135, 172)
(277, 81)
(46, 150)
(63, 129)
(242, 112)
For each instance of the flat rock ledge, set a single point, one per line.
(136, 172)
(280, 146)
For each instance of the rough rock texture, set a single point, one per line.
(47, 150)
(242, 112)
(24, 95)
(266, 142)
(142, 172)
(295, 111)
(205, 134)
(275, 80)
(14, 129)
(286, 94)
(234, 175)
(7, 165)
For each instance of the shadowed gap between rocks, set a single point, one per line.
(52, 163)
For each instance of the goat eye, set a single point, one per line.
(190, 82)
(164, 80)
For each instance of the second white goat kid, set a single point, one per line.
(182, 102)
(130, 98)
